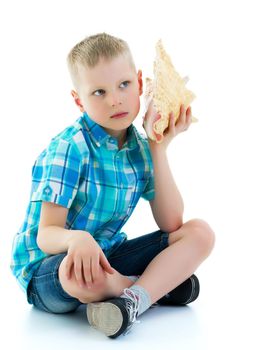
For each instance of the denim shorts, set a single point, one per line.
(129, 258)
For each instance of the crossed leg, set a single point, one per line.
(188, 247)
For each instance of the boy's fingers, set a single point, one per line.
(171, 120)
(78, 271)
(87, 270)
(189, 115)
(183, 111)
(68, 266)
(105, 264)
(94, 268)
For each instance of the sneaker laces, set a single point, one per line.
(132, 304)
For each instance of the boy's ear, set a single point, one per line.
(140, 82)
(77, 100)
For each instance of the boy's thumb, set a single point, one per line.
(106, 265)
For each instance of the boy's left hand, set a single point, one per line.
(182, 124)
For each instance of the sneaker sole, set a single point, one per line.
(106, 317)
(195, 289)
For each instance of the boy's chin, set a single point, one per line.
(120, 124)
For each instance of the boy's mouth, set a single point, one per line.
(119, 115)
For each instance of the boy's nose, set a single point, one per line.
(115, 100)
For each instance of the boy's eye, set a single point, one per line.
(125, 83)
(101, 92)
(98, 91)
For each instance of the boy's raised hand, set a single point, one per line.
(174, 128)
(86, 260)
(182, 124)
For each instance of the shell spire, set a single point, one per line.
(167, 91)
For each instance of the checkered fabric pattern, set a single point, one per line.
(83, 170)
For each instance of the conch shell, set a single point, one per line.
(164, 95)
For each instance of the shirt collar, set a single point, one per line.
(101, 137)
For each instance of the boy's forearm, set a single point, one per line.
(55, 239)
(168, 205)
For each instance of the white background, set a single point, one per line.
(226, 166)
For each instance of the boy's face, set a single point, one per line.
(109, 88)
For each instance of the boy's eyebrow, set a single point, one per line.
(101, 86)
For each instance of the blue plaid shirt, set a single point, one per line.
(83, 170)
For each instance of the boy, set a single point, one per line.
(86, 184)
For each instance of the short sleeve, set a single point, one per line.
(149, 191)
(56, 174)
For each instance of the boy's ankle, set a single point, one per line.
(117, 283)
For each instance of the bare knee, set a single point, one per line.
(202, 233)
(199, 232)
(83, 294)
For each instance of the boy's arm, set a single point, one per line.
(168, 206)
(52, 237)
(83, 252)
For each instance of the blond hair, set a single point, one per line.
(88, 52)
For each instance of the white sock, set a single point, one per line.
(143, 298)
(133, 278)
